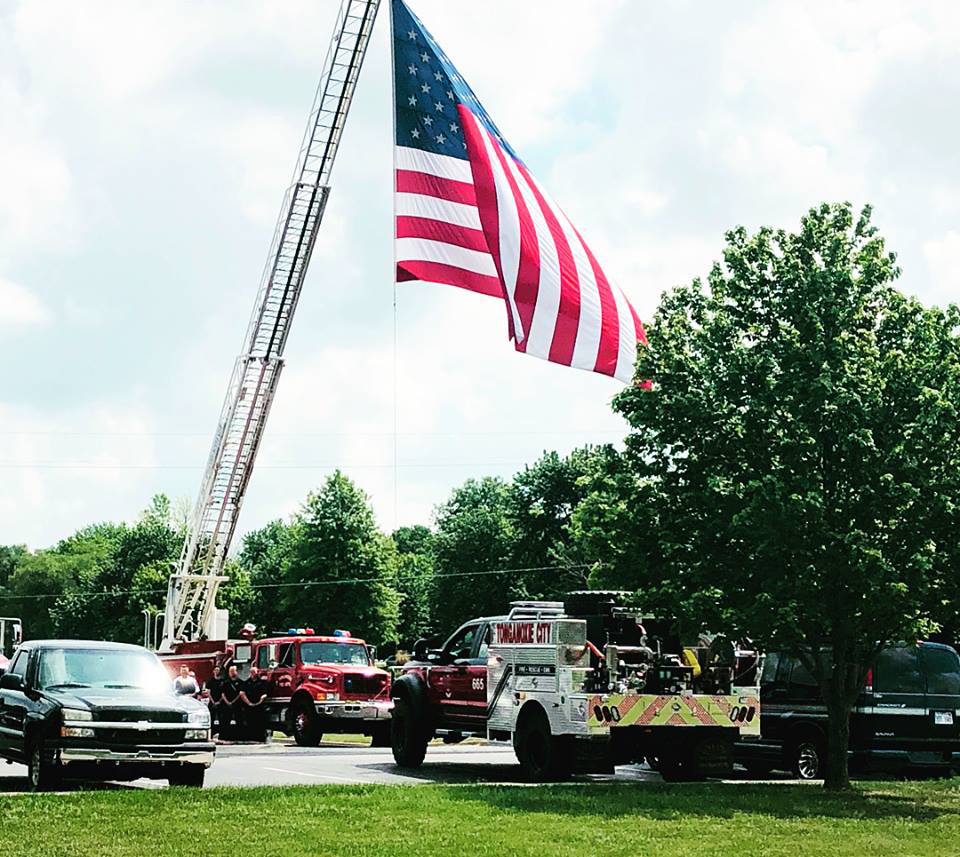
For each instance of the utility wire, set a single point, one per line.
(107, 593)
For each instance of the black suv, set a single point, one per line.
(908, 716)
(91, 710)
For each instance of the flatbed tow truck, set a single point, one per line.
(536, 678)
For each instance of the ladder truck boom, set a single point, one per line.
(190, 611)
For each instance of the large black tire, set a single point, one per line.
(408, 735)
(305, 725)
(806, 756)
(43, 771)
(380, 736)
(190, 776)
(543, 757)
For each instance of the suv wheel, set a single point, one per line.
(806, 759)
(306, 725)
(408, 738)
(543, 757)
(189, 775)
(43, 772)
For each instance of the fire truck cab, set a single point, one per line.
(568, 704)
(323, 684)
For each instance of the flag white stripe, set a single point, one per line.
(442, 166)
(509, 224)
(424, 250)
(544, 321)
(627, 344)
(421, 205)
(589, 328)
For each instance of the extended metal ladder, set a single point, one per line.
(191, 594)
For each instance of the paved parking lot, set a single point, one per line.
(281, 763)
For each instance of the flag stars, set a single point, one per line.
(415, 133)
(450, 94)
(441, 139)
(438, 75)
(412, 69)
(425, 57)
(412, 101)
(425, 87)
(428, 121)
(439, 107)
(412, 35)
(454, 127)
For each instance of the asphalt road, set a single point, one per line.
(281, 764)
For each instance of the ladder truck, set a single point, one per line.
(191, 615)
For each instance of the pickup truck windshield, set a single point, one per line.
(334, 653)
(118, 668)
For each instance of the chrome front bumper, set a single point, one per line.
(379, 710)
(179, 757)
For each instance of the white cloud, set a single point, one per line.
(943, 260)
(20, 307)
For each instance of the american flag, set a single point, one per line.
(470, 214)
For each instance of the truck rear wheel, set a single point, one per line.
(408, 737)
(306, 725)
(543, 757)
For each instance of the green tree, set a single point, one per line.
(541, 502)
(800, 447)
(264, 557)
(337, 545)
(416, 561)
(474, 540)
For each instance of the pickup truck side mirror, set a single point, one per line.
(9, 681)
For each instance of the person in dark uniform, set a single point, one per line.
(230, 702)
(214, 689)
(254, 695)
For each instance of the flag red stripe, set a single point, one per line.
(486, 194)
(438, 230)
(528, 275)
(435, 272)
(409, 181)
(568, 313)
(609, 347)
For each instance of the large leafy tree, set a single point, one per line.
(794, 468)
(416, 561)
(541, 501)
(474, 545)
(263, 558)
(341, 569)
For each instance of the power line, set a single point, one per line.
(43, 465)
(107, 593)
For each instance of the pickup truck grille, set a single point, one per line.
(121, 716)
(135, 736)
(359, 685)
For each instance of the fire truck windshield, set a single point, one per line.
(334, 653)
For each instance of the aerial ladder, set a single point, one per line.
(191, 612)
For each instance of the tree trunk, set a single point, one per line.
(838, 741)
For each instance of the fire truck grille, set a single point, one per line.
(359, 685)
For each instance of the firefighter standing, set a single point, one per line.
(254, 694)
(230, 701)
(214, 688)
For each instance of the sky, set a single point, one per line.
(145, 148)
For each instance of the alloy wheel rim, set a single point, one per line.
(808, 761)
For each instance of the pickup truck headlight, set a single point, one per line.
(77, 714)
(197, 735)
(200, 718)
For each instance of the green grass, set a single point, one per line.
(717, 820)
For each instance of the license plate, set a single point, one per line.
(943, 718)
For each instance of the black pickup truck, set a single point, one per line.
(94, 710)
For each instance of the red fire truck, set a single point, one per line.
(323, 684)
(318, 684)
